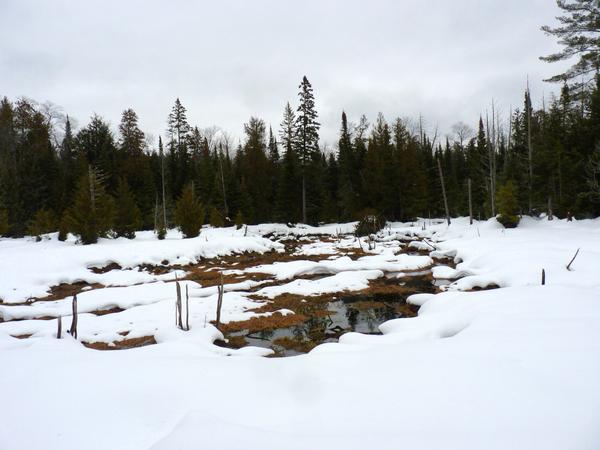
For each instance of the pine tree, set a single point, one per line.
(178, 132)
(189, 213)
(215, 219)
(346, 162)
(579, 34)
(44, 222)
(92, 214)
(307, 133)
(128, 217)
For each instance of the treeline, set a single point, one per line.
(93, 182)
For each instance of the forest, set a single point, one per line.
(96, 182)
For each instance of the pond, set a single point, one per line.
(328, 320)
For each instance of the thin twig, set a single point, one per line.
(575, 256)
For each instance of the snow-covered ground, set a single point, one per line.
(514, 367)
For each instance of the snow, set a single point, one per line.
(514, 367)
(29, 269)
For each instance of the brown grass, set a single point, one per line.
(264, 323)
(122, 345)
(103, 312)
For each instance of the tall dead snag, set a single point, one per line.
(187, 309)
(550, 213)
(573, 259)
(470, 202)
(219, 302)
(439, 164)
(73, 330)
(543, 277)
(59, 327)
(178, 318)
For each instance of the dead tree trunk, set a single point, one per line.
(470, 203)
(220, 290)
(303, 197)
(178, 318)
(73, 330)
(187, 309)
(439, 164)
(550, 213)
(59, 327)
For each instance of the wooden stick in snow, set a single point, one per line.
(187, 309)
(573, 259)
(543, 277)
(59, 327)
(178, 306)
(73, 330)
(219, 303)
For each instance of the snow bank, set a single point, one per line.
(29, 268)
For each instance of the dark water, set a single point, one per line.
(344, 313)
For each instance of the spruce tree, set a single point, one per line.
(215, 218)
(128, 218)
(92, 214)
(189, 213)
(44, 222)
(307, 134)
(347, 193)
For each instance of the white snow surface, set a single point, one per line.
(29, 269)
(514, 367)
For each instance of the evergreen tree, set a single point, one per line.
(215, 219)
(508, 205)
(579, 34)
(178, 160)
(347, 177)
(307, 134)
(44, 222)
(288, 198)
(4, 226)
(189, 213)
(128, 217)
(92, 214)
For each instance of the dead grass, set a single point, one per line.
(122, 345)
(103, 312)
(264, 323)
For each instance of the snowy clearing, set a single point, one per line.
(513, 367)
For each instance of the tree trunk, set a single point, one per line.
(304, 198)
(444, 191)
(73, 330)
(470, 203)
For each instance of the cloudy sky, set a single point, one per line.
(228, 60)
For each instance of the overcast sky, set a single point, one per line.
(228, 60)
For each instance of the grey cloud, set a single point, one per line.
(228, 60)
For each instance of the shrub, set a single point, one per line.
(369, 223)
